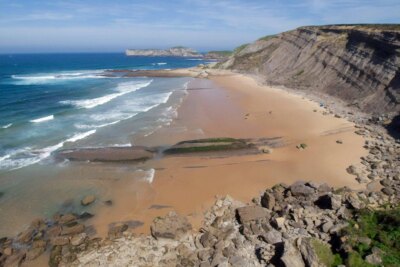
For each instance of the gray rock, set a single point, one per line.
(171, 226)
(301, 189)
(374, 259)
(251, 213)
(291, 256)
(327, 226)
(273, 236)
(268, 200)
(309, 253)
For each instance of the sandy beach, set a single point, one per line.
(233, 105)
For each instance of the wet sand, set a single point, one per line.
(234, 106)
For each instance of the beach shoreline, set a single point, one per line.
(234, 105)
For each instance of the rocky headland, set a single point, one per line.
(358, 64)
(178, 51)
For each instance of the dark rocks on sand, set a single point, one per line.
(73, 230)
(88, 200)
(116, 230)
(171, 226)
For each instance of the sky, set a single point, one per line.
(112, 26)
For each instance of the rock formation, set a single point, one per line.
(178, 51)
(356, 63)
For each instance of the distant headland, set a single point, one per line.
(178, 51)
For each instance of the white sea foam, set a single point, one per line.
(47, 118)
(122, 88)
(148, 175)
(91, 126)
(23, 157)
(6, 126)
(159, 63)
(194, 59)
(56, 77)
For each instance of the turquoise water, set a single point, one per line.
(57, 101)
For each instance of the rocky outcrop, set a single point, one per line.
(358, 64)
(178, 51)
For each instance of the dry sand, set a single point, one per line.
(236, 106)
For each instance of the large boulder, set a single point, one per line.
(252, 213)
(301, 189)
(268, 200)
(171, 226)
(310, 248)
(291, 256)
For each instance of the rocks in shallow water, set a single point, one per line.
(33, 253)
(85, 215)
(172, 226)
(73, 230)
(78, 239)
(251, 213)
(59, 241)
(88, 200)
(116, 230)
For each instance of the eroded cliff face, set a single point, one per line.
(359, 64)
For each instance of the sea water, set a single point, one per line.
(50, 102)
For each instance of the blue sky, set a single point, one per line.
(87, 25)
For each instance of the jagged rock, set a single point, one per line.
(301, 189)
(309, 253)
(115, 230)
(88, 200)
(59, 241)
(291, 255)
(34, 253)
(273, 236)
(388, 191)
(26, 236)
(73, 230)
(78, 239)
(354, 200)
(15, 259)
(280, 222)
(327, 226)
(171, 226)
(251, 213)
(67, 218)
(268, 200)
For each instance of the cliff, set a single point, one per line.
(356, 63)
(174, 51)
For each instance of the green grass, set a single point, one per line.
(325, 254)
(383, 228)
(300, 72)
(240, 48)
(225, 53)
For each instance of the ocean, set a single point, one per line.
(58, 101)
